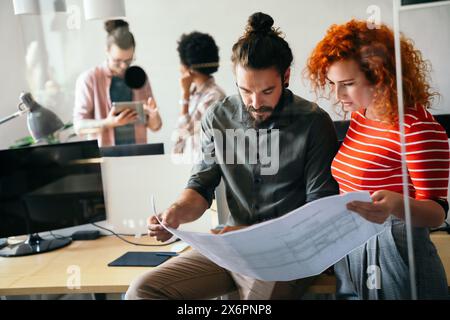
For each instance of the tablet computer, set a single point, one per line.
(137, 106)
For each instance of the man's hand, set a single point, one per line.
(168, 219)
(189, 207)
(384, 204)
(227, 229)
(125, 117)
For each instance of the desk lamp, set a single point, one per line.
(41, 121)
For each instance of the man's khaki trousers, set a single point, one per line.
(193, 276)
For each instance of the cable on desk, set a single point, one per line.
(134, 243)
(58, 237)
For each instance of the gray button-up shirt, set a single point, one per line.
(263, 182)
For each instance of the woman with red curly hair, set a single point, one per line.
(356, 65)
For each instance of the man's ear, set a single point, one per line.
(286, 77)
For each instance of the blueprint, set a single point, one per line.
(302, 243)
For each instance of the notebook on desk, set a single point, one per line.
(141, 259)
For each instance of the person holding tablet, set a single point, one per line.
(97, 89)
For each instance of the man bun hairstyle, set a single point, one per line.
(262, 46)
(119, 34)
(260, 23)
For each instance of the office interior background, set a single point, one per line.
(44, 54)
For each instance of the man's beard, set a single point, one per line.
(256, 117)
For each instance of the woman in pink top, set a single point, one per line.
(99, 87)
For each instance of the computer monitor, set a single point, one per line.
(46, 188)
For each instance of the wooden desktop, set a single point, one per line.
(82, 267)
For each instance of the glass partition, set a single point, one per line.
(57, 47)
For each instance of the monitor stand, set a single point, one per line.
(34, 245)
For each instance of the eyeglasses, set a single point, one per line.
(119, 62)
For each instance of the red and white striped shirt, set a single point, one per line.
(370, 156)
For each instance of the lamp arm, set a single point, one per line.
(14, 115)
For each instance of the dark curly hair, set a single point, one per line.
(262, 46)
(199, 51)
(374, 51)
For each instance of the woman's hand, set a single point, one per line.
(186, 80)
(384, 204)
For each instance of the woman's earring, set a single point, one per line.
(286, 85)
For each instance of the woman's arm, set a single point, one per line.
(424, 213)
(427, 159)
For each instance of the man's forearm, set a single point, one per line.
(190, 206)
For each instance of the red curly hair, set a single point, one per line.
(374, 51)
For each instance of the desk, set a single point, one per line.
(48, 273)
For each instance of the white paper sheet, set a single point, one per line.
(302, 243)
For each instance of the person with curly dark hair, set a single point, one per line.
(97, 88)
(199, 59)
(264, 109)
(357, 65)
